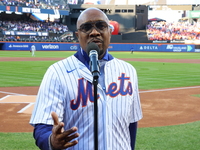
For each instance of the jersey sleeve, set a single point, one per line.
(50, 98)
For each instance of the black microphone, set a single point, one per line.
(93, 52)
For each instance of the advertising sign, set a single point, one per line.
(113, 47)
(28, 33)
(34, 10)
(153, 47)
(194, 14)
(17, 46)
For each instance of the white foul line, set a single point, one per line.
(23, 109)
(12, 93)
(4, 97)
(9, 94)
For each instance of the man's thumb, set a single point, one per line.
(55, 118)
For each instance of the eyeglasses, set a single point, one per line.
(87, 27)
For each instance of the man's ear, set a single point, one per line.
(110, 32)
(76, 33)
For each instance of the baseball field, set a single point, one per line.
(169, 86)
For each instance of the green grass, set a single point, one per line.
(152, 75)
(17, 141)
(160, 55)
(197, 95)
(157, 75)
(179, 137)
(60, 54)
(20, 73)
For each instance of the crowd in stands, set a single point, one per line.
(22, 25)
(164, 31)
(53, 28)
(41, 4)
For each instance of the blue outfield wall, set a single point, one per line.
(154, 47)
(41, 46)
(113, 47)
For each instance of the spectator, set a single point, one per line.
(42, 4)
(162, 31)
(53, 28)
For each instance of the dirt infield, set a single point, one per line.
(160, 107)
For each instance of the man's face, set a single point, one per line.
(93, 27)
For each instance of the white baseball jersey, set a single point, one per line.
(33, 49)
(67, 90)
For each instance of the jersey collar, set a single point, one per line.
(84, 58)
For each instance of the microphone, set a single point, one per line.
(93, 52)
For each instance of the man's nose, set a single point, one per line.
(94, 32)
